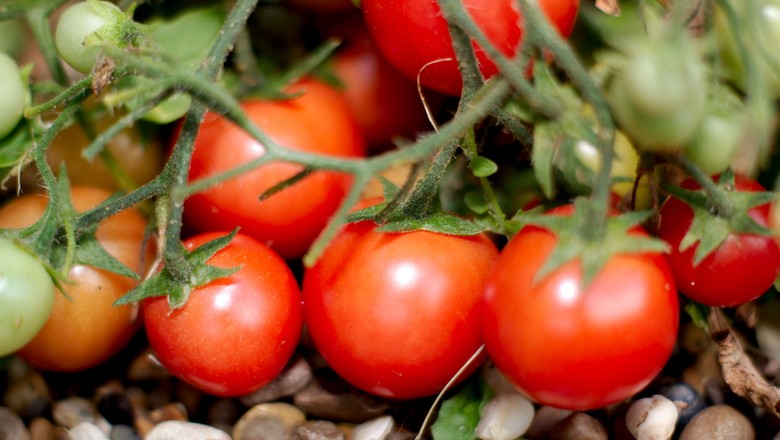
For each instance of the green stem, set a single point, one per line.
(38, 21)
(564, 56)
(77, 90)
(494, 209)
(515, 71)
(715, 195)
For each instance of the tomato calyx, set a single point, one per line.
(393, 217)
(578, 238)
(719, 210)
(178, 284)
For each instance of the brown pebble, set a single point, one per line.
(269, 421)
(71, 411)
(145, 366)
(296, 376)
(11, 426)
(579, 426)
(319, 430)
(545, 418)
(28, 396)
(42, 429)
(719, 422)
(171, 411)
(332, 399)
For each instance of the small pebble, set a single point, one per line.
(719, 422)
(86, 431)
(506, 416)
(579, 426)
(178, 430)
(269, 421)
(686, 394)
(171, 411)
(116, 407)
(123, 432)
(319, 430)
(71, 411)
(296, 376)
(376, 429)
(28, 396)
(42, 429)
(652, 418)
(332, 399)
(12, 426)
(545, 418)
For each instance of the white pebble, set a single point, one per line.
(176, 430)
(86, 431)
(376, 429)
(652, 418)
(505, 417)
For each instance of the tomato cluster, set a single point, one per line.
(204, 247)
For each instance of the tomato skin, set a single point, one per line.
(576, 349)
(79, 22)
(26, 297)
(84, 329)
(413, 33)
(14, 93)
(397, 314)
(235, 334)
(385, 103)
(741, 269)
(318, 121)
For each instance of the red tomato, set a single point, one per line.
(235, 334)
(397, 314)
(741, 269)
(413, 35)
(385, 103)
(84, 329)
(317, 121)
(575, 349)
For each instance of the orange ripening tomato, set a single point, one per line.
(84, 328)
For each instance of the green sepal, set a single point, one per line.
(437, 222)
(698, 313)
(90, 252)
(709, 229)
(573, 242)
(459, 415)
(164, 283)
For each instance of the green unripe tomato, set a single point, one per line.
(26, 297)
(659, 93)
(13, 94)
(83, 27)
(715, 144)
(762, 49)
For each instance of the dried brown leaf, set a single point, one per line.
(739, 372)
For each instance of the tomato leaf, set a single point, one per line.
(459, 415)
(482, 166)
(698, 313)
(476, 202)
(547, 138)
(438, 222)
